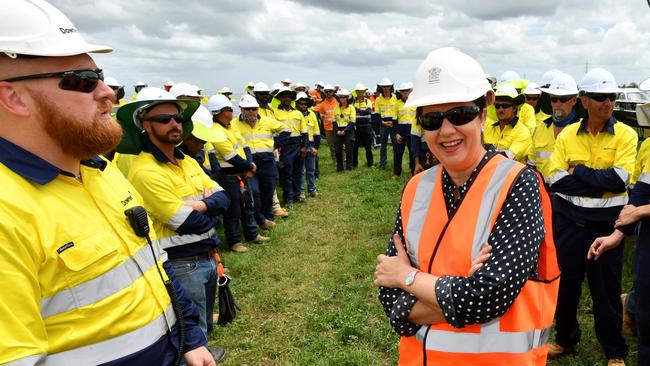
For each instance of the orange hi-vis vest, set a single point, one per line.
(446, 246)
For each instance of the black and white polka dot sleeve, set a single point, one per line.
(515, 240)
(398, 303)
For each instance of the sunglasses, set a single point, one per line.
(249, 109)
(561, 99)
(601, 97)
(458, 116)
(166, 118)
(503, 105)
(84, 81)
(532, 97)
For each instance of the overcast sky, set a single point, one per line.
(230, 42)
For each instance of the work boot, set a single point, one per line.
(555, 351)
(239, 248)
(280, 212)
(313, 194)
(267, 225)
(615, 362)
(259, 239)
(629, 326)
(218, 353)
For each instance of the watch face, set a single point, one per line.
(410, 278)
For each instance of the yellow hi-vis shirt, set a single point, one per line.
(292, 118)
(123, 162)
(641, 161)
(608, 149)
(526, 114)
(229, 148)
(539, 153)
(514, 138)
(386, 107)
(405, 116)
(266, 112)
(312, 125)
(165, 187)
(79, 286)
(260, 137)
(344, 116)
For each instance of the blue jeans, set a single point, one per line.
(199, 280)
(398, 150)
(237, 212)
(310, 169)
(263, 186)
(288, 157)
(383, 140)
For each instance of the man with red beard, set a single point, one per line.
(85, 288)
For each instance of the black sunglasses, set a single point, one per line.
(562, 99)
(251, 109)
(84, 81)
(502, 105)
(458, 116)
(166, 118)
(535, 97)
(600, 97)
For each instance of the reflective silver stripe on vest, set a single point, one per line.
(33, 360)
(199, 196)
(484, 342)
(109, 283)
(259, 136)
(179, 217)
(489, 204)
(543, 154)
(231, 155)
(558, 175)
(590, 202)
(177, 240)
(623, 174)
(225, 164)
(419, 209)
(262, 150)
(115, 348)
(644, 178)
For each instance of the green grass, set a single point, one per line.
(307, 297)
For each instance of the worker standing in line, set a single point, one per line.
(532, 94)
(85, 288)
(344, 117)
(386, 108)
(317, 93)
(405, 119)
(590, 170)
(303, 104)
(326, 111)
(363, 130)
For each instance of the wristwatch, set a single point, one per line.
(410, 278)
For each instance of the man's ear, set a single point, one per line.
(490, 97)
(13, 100)
(147, 126)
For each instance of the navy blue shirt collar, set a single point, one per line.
(149, 147)
(35, 168)
(608, 127)
(512, 122)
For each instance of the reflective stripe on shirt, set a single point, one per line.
(178, 240)
(591, 202)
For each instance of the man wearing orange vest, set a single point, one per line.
(453, 299)
(325, 110)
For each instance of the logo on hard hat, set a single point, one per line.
(68, 30)
(434, 75)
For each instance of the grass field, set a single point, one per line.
(307, 296)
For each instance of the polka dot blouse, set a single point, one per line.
(488, 293)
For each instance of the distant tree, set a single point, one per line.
(633, 85)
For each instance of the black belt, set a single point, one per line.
(207, 255)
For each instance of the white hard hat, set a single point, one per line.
(202, 122)
(360, 86)
(372, 89)
(34, 27)
(302, 95)
(532, 88)
(509, 92)
(140, 83)
(320, 83)
(184, 89)
(448, 75)
(562, 84)
(250, 84)
(549, 76)
(385, 82)
(261, 87)
(599, 80)
(405, 86)
(509, 75)
(328, 87)
(343, 93)
(225, 90)
(286, 90)
(286, 80)
(645, 85)
(218, 102)
(276, 86)
(248, 101)
(169, 83)
(299, 85)
(111, 81)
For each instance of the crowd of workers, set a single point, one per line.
(115, 204)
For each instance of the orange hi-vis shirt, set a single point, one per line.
(326, 109)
